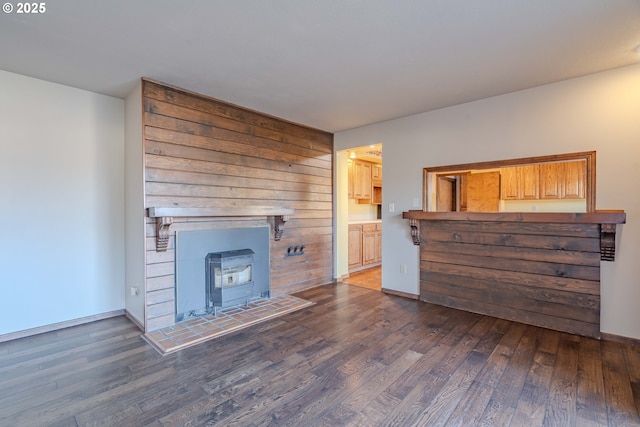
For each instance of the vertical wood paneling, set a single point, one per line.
(201, 152)
(536, 273)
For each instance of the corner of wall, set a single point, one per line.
(134, 286)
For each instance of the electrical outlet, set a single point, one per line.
(295, 250)
(403, 268)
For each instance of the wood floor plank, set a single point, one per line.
(498, 360)
(590, 384)
(439, 409)
(359, 399)
(621, 407)
(357, 357)
(470, 409)
(531, 406)
(632, 358)
(561, 406)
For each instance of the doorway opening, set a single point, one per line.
(359, 215)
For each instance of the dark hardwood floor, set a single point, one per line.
(357, 357)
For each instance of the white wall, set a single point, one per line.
(61, 203)
(134, 206)
(599, 112)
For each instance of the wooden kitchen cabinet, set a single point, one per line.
(550, 180)
(350, 179)
(369, 250)
(355, 246)
(376, 195)
(376, 173)
(563, 180)
(378, 244)
(520, 183)
(529, 181)
(361, 180)
(555, 180)
(376, 184)
(509, 184)
(365, 245)
(575, 180)
(365, 182)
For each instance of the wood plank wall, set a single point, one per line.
(536, 273)
(202, 152)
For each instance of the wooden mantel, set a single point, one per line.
(607, 220)
(164, 218)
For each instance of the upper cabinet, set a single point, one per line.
(365, 181)
(350, 180)
(520, 183)
(557, 180)
(376, 173)
(361, 179)
(376, 184)
(563, 180)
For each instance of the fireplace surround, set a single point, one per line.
(241, 258)
(165, 303)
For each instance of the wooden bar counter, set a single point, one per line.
(537, 268)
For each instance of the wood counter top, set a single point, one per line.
(598, 217)
(365, 221)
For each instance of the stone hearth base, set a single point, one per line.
(204, 328)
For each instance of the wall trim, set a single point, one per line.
(60, 325)
(134, 320)
(620, 339)
(399, 293)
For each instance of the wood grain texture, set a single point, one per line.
(481, 192)
(597, 217)
(542, 274)
(357, 357)
(204, 153)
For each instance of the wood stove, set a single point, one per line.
(229, 279)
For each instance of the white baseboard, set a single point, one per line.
(60, 325)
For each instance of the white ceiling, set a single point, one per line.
(330, 64)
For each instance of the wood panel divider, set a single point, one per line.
(541, 269)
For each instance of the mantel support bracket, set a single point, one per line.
(415, 231)
(279, 221)
(607, 242)
(162, 232)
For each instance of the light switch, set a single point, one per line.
(392, 207)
